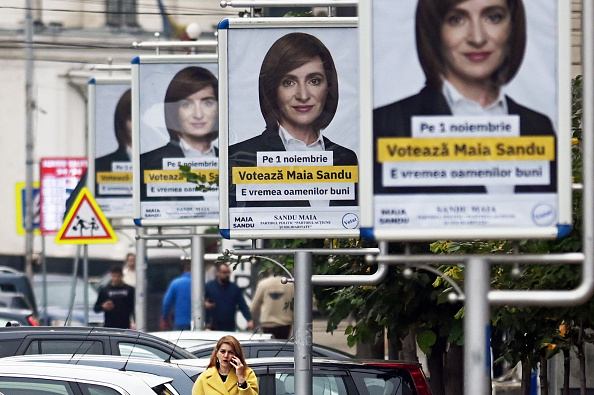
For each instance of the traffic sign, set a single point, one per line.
(85, 223)
(21, 207)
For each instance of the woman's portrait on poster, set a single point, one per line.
(191, 118)
(122, 125)
(298, 94)
(468, 50)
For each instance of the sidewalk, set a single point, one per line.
(337, 340)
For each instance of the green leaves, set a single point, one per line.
(425, 340)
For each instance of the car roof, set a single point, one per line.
(188, 339)
(271, 343)
(84, 330)
(319, 361)
(79, 372)
(214, 336)
(114, 361)
(21, 331)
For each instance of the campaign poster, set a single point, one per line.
(471, 129)
(110, 145)
(290, 127)
(175, 100)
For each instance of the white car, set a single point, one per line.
(187, 339)
(38, 378)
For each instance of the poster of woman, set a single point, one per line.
(110, 143)
(292, 129)
(468, 112)
(177, 124)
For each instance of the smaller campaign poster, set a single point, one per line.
(471, 129)
(177, 107)
(290, 127)
(58, 178)
(110, 145)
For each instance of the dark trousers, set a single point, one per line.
(279, 332)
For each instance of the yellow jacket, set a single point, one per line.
(210, 383)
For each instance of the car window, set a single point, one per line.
(164, 389)
(65, 347)
(9, 347)
(275, 353)
(142, 351)
(27, 386)
(394, 382)
(8, 288)
(92, 389)
(323, 384)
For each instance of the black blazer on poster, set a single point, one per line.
(153, 160)
(394, 120)
(244, 154)
(103, 164)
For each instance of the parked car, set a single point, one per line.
(32, 378)
(87, 340)
(183, 376)
(59, 312)
(23, 317)
(338, 376)
(14, 281)
(14, 300)
(187, 339)
(269, 348)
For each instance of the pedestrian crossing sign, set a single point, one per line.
(85, 223)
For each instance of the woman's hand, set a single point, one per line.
(239, 369)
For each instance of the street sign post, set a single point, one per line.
(85, 223)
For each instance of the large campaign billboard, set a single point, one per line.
(469, 103)
(175, 123)
(289, 127)
(109, 176)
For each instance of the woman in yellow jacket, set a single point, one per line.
(227, 373)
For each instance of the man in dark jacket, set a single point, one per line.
(116, 299)
(223, 298)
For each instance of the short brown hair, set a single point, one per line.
(234, 343)
(123, 114)
(185, 83)
(429, 20)
(288, 53)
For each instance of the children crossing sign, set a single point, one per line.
(85, 223)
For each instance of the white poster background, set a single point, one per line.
(154, 78)
(107, 97)
(541, 83)
(246, 51)
(397, 72)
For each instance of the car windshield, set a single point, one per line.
(58, 293)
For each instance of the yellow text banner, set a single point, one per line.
(113, 178)
(295, 174)
(162, 176)
(469, 149)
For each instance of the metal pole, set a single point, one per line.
(197, 275)
(73, 286)
(30, 104)
(303, 323)
(477, 366)
(141, 283)
(86, 282)
(44, 318)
